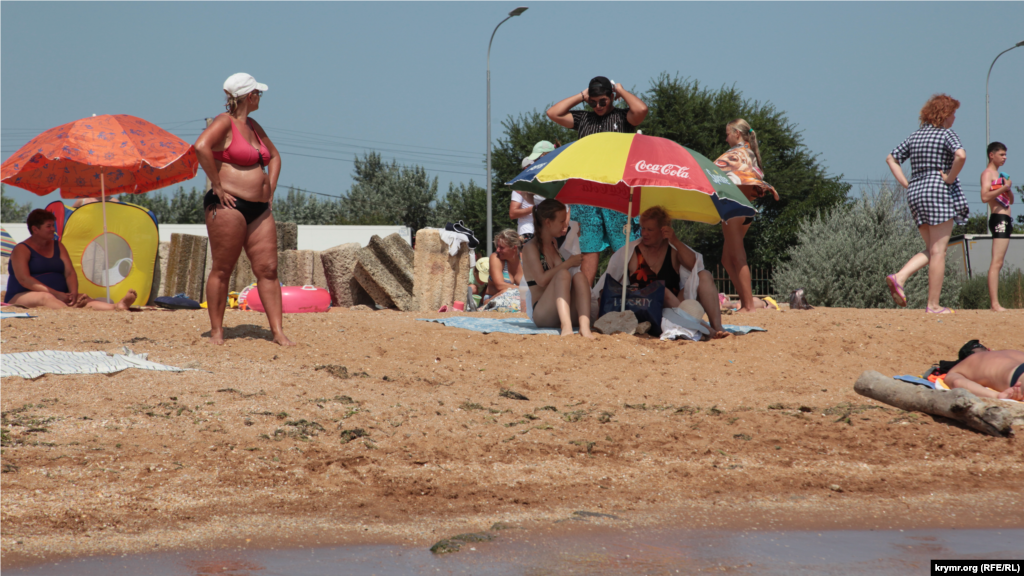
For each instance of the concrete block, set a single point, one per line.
(287, 236)
(384, 267)
(241, 275)
(440, 279)
(295, 267)
(186, 265)
(319, 277)
(160, 271)
(339, 265)
(400, 249)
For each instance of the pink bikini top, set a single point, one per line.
(240, 152)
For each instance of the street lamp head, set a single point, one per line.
(522, 9)
(1021, 43)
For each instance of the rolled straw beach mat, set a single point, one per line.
(693, 308)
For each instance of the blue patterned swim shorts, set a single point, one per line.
(601, 228)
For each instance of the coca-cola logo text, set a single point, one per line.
(664, 169)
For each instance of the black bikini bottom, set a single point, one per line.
(250, 210)
(1017, 374)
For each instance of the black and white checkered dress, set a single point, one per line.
(931, 150)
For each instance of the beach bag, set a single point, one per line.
(646, 303)
(177, 302)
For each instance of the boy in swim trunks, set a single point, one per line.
(1000, 224)
(990, 374)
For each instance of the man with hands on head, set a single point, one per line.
(599, 227)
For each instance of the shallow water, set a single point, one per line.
(588, 551)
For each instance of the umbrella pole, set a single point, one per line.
(625, 265)
(106, 241)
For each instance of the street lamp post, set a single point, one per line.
(490, 225)
(987, 138)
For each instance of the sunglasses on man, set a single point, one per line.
(601, 103)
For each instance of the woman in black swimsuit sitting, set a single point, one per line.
(236, 153)
(655, 259)
(559, 293)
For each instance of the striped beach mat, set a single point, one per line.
(35, 364)
(7, 243)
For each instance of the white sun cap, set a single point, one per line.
(241, 84)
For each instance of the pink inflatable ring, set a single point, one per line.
(295, 299)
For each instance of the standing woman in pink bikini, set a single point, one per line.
(242, 165)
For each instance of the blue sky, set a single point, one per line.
(408, 79)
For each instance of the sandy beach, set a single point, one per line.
(379, 427)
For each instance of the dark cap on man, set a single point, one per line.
(600, 86)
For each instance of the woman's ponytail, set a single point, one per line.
(749, 136)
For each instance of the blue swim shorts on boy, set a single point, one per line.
(601, 228)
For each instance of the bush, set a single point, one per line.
(974, 292)
(843, 255)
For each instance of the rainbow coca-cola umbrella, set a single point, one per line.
(629, 173)
(99, 156)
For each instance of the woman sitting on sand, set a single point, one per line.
(505, 258)
(558, 295)
(660, 255)
(41, 274)
(242, 165)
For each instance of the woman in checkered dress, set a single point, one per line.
(933, 193)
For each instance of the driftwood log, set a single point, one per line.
(995, 417)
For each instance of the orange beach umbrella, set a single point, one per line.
(98, 156)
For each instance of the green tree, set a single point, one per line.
(389, 194)
(695, 116)
(303, 208)
(180, 208)
(469, 204)
(11, 211)
(521, 133)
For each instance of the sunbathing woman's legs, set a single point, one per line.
(579, 306)
(47, 300)
(37, 300)
(707, 295)
(565, 302)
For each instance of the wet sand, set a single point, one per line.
(412, 442)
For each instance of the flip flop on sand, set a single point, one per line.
(942, 310)
(896, 290)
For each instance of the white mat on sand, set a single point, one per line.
(35, 364)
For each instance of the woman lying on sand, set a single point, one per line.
(558, 296)
(41, 274)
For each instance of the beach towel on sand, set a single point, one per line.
(526, 326)
(35, 364)
(934, 385)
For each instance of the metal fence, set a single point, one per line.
(760, 280)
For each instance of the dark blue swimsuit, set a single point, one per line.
(49, 271)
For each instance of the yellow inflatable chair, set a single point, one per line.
(133, 240)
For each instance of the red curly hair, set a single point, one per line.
(937, 109)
